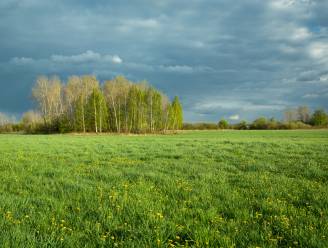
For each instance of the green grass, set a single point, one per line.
(209, 188)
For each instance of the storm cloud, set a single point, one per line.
(222, 58)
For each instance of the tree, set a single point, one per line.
(223, 124)
(242, 125)
(260, 123)
(97, 111)
(89, 83)
(123, 86)
(6, 123)
(72, 93)
(176, 114)
(4, 119)
(48, 94)
(30, 121)
(273, 124)
(55, 97)
(111, 92)
(290, 115)
(166, 108)
(40, 93)
(132, 108)
(319, 118)
(120, 105)
(303, 114)
(155, 111)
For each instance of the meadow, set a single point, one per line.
(193, 189)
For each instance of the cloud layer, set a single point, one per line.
(224, 59)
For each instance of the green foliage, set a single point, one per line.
(223, 124)
(97, 113)
(294, 125)
(119, 106)
(241, 126)
(200, 126)
(204, 189)
(260, 123)
(319, 118)
(7, 124)
(175, 115)
(79, 109)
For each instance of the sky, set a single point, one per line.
(224, 59)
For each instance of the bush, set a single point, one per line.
(199, 126)
(295, 125)
(223, 124)
(319, 118)
(259, 124)
(6, 128)
(31, 122)
(241, 126)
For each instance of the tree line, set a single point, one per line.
(82, 104)
(294, 118)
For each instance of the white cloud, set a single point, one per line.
(282, 4)
(88, 56)
(289, 5)
(185, 68)
(80, 58)
(301, 33)
(230, 104)
(324, 78)
(234, 117)
(117, 60)
(318, 50)
(310, 96)
(131, 24)
(177, 68)
(147, 23)
(21, 61)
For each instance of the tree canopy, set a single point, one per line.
(119, 105)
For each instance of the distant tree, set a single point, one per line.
(290, 115)
(260, 123)
(273, 124)
(120, 105)
(242, 125)
(40, 93)
(88, 84)
(47, 92)
(133, 108)
(155, 110)
(176, 114)
(112, 96)
(319, 118)
(223, 124)
(4, 119)
(31, 121)
(303, 114)
(7, 123)
(72, 93)
(166, 108)
(97, 112)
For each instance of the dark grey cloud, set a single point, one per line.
(224, 59)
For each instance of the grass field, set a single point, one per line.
(202, 189)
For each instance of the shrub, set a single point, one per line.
(319, 118)
(223, 124)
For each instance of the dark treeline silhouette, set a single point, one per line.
(83, 105)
